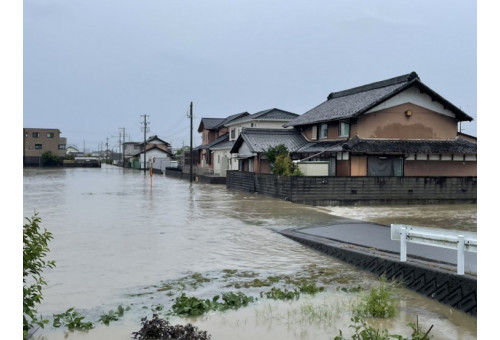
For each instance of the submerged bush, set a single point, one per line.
(159, 329)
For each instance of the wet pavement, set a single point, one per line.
(376, 239)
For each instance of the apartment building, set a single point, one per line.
(36, 141)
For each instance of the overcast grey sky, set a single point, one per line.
(92, 67)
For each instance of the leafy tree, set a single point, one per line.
(49, 159)
(272, 153)
(35, 248)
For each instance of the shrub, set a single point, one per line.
(159, 329)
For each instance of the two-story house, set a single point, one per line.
(213, 132)
(394, 127)
(270, 119)
(36, 141)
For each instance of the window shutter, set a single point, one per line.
(314, 133)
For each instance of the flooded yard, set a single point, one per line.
(122, 239)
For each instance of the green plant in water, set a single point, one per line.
(192, 306)
(279, 294)
(72, 320)
(35, 248)
(379, 302)
(112, 315)
(362, 331)
(310, 288)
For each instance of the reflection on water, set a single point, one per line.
(117, 235)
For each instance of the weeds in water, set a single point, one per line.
(379, 302)
(279, 294)
(160, 329)
(72, 320)
(192, 306)
(113, 315)
(362, 331)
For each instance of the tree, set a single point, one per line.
(273, 152)
(35, 248)
(280, 161)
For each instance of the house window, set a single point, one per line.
(50, 134)
(344, 129)
(323, 131)
(232, 133)
(35, 134)
(62, 147)
(38, 146)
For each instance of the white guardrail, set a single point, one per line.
(462, 241)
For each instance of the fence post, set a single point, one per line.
(460, 255)
(402, 232)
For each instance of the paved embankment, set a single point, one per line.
(430, 271)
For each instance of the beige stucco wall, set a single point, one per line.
(440, 168)
(392, 122)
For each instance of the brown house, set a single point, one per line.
(395, 127)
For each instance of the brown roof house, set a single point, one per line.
(394, 127)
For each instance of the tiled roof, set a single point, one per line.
(221, 139)
(217, 123)
(269, 115)
(355, 101)
(259, 140)
(223, 146)
(332, 146)
(457, 146)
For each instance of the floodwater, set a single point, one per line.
(122, 238)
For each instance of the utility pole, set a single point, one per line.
(191, 144)
(106, 152)
(145, 129)
(123, 148)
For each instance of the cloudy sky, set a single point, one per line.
(93, 67)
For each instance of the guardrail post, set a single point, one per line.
(461, 255)
(402, 232)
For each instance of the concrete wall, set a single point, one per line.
(357, 190)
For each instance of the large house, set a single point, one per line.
(36, 141)
(394, 127)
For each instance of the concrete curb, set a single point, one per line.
(436, 281)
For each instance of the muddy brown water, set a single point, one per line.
(120, 236)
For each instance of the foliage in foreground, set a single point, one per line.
(160, 329)
(35, 248)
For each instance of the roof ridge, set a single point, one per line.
(372, 86)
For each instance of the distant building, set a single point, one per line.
(36, 141)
